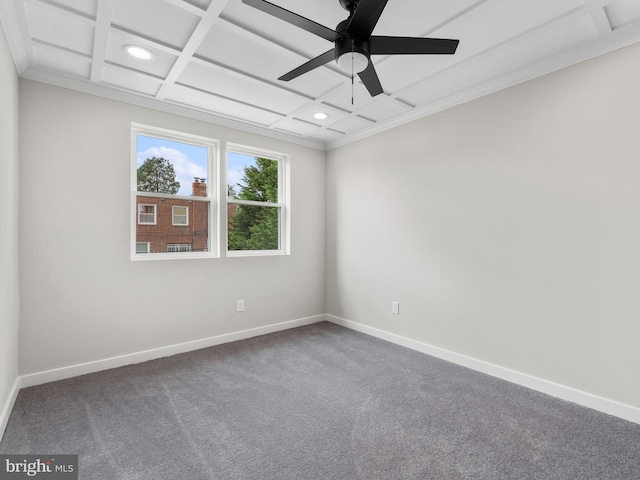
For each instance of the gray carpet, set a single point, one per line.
(317, 402)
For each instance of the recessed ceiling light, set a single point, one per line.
(320, 116)
(139, 52)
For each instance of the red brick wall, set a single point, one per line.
(164, 232)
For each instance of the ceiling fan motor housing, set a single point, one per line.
(349, 5)
(348, 43)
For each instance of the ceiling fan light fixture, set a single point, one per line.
(353, 62)
(138, 52)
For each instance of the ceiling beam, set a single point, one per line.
(205, 24)
(101, 38)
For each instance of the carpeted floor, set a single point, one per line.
(317, 402)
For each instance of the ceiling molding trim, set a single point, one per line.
(57, 80)
(619, 39)
(10, 24)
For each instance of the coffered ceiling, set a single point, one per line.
(219, 60)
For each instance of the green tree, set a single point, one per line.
(254, 227)
(157, 175)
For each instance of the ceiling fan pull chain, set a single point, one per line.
(352, 49)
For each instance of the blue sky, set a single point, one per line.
(190, 161)
(236, 163)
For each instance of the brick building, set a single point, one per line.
(166, 223)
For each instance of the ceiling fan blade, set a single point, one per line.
(365, 17)
(411, 45)
(293, 19)
(320, 60)
(370, 80)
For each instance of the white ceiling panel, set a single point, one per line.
(85, 7)
(500, 62)
(62, 61)
(342, 96)
(229, 84)
(623, 12)
(223, 106)
(399, 71)
(326, 135)
(72, 32)
(307, 114)
(325, 12)
(155, 19)
(383, 108)
(351, 124)
(130, 80)
(402, 18)
(298, 127)
(115, 53)
(223, 57)
(246, 53)
(202, 4)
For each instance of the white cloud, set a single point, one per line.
(234, 176)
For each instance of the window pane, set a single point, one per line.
(169, 167)
(180, 215)
(142, 248)
(164, 233)
(146, 213)
(252, 178)
(253, 227)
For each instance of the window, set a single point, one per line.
(180, 215)
(257, 202)
(146, 214)
(173, 186)
(172, 247)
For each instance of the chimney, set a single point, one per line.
(199, 187)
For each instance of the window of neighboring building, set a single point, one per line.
(257, 201)
(178, 247)
(180, 215)
(173, 184)
(142, 247)
(146, 214)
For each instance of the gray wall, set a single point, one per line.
(9, 273)
(508, 228)
(82, 298)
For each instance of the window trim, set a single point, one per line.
(284, 187)
(213, 149)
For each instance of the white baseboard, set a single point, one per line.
(570, 394)
(8, 406)
(90, 367)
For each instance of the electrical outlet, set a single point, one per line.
(240, 306)
(395, 308)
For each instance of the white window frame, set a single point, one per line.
(173, 216)
(155, 214)
(283, 204)
(213, 180)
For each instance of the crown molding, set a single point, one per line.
(112, 93)
(619, 39)
(10, 24)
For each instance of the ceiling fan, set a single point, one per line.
(354, 42)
